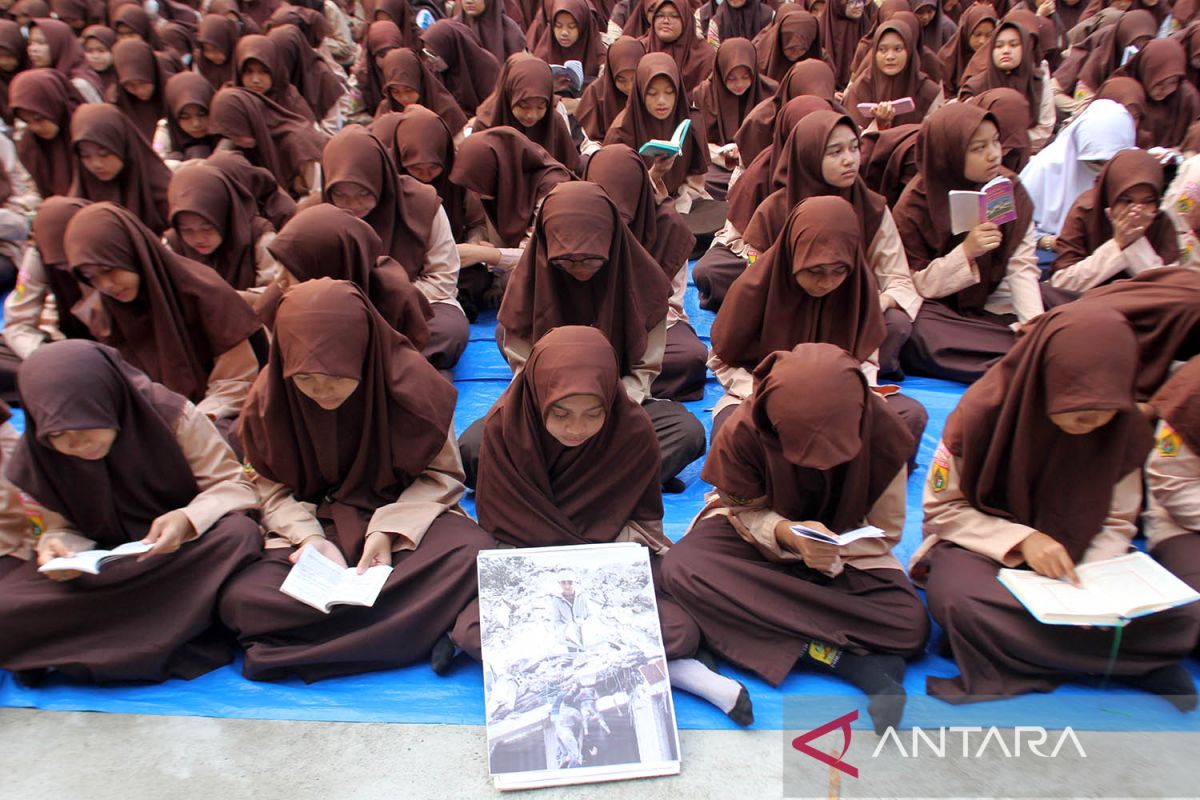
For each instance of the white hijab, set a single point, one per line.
(1056, 176)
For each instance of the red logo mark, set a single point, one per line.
(801, 743)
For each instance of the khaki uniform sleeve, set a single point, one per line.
(645, 369)
(232, 374)
(16, 531)
(438, 280)
(224, 485)
(24, 305)
(1120, 526)
(286, 520)
(1107, 261)
(889, 262)
(435, 491)
(1173, 481)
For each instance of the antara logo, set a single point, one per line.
(843, 722)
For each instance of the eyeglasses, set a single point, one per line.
(667, 17)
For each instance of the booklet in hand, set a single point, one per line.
(660, 149)
(901, 105)
(865, 532)
(1110, 593)
(90, 561)
(568, 78)
(322, 583)
(995, 202)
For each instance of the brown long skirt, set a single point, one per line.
(1181, 555)
(134, 621)
(681, 635)
(1002, 650)
(714, 273)
(760, 614)
(9, 564)
(946, 344)
(684, 367)
(424, 594)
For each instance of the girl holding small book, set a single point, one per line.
(892, 73)
(1040, 467)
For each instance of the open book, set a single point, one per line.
(90, 561)
(865, 532)
(993, 203)
(660, 149)
(323, 584)
(901, 105)
(1111, 592)
(568, 78)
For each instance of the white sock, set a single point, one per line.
(693, 677)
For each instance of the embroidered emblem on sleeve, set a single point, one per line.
(1168, 442)
(939, 473)
(825, 653)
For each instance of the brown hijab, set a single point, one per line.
(273, 203)
(723, 111)
(829, 458)
(602, 101)
(382, 37)
(1178, 402)
(956, 53)
(983, 74)
(746, 22)
(1087, 225)
(229, 207)
(635, 125)
(808, 77)
(471, 72)
(510, 174)
(264, 51)
(1166, 120)
(420, 136)
(889, 160)
(794, 29)
(306, 70)
(66, 53)
(873, 86)
(75, 385)
(1105, 57)
(283, 141)
(48, 231)
(1014, 118)
(923, 213)
(404, 68)
(323, 241)
(352, 460)
(134, 60)
(12, 41)
(1129, 93)
(527, 77)
(767, 310)
(400, 12)
(404, 208)
(535, 492)
(624, 299)
(495, 30)
(840, 35)
(184, 315)
(587, 49)
(219, 31)
(141, 185)
(1015, 463)
(183, 90)
(654, 223)
(49, 94)
(692, 56)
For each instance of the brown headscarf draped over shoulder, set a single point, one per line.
(402, 68)
(264, 51)
(1014, 117)
(420, 137)
(184, 315)
(533, 490)
(802, 177)
(498, 33)
(1166, 120)
(625, 298)
(510, 174)
(983, 74)
(840, 35)
(134, 60)
(48, 233)
(792, 37)
(273, 202)
(471, 72)
(1015, 463)
(75, 385)
(12, 42)
(404, 207)
(602, 101)
(956, 53)
(873, 86)
(744, 22)
(283, 142)
(1178, 402)
(220, 32)
(183, 90)
(767, 310)
(400, 12)
(305, 69)
(142, 183)
(382, 38)
(229, 207)
(352, 460)
(66, 52)
(653, 222)
(723, 111)
(923, 213)
(809, 77)
(588, 49)
(527, 77)
(693, 56)
(1087, 225)
(51, 162)
(635, 125)
(323, 241)
(1135, 28)
(828, 458)
(889, 160)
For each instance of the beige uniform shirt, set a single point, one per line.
(1107, 261)
(1173, 484)
(16, 529)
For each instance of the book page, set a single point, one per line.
(964, 210)
(91, 560)
(1048, 596)
(314, 579)
(1135, 582)
(361, 590)
(865, 532)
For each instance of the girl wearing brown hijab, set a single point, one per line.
(125, 460)
(770, 600)
(1011, 110)
(140, 91)
(492, 28)
(524, 100)
(215, 222)
(1115, 229)
(1010, 60)
(350, 433)
(658, 226)
(584, 267)
(977, 288)
(572, 35)
(315, 81)
(724, 100)
(793, 37)
(808, 77)
(412, 225)
(1134, 29)
(671, 33)
(399, 12)
(216, 39)
(569, 459)
(114, 162)
(270, 136)
(168, 315)
(1172, 104)
(1173, 475)
(98, 42)
(604, 98)
(260, 70)
(466, 69)
(741, 19)
(1040, 466)
(45, 101)
(658, 104)
(189, 98)
(974, 31)
(273, 202)
(410, 83)
(382, 38)
(52, 45)
(843, 23)
(893, 72)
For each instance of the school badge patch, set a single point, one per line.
(1168, 442)
(939, 472)
(825, 653)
